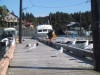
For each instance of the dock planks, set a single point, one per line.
(43, 60)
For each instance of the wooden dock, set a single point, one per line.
(44, 60)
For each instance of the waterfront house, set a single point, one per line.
(74, 28)
(11, 20)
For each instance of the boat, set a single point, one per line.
(9, 33)
(8, 37)
(11, 30)
(43, 29)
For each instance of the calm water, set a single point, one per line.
(78, 45)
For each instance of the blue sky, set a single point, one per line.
(44, 7)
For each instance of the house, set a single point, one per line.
(27, 24)
(74, 28)
(11, 20)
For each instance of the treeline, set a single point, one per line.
(3, 12)
(59, 20)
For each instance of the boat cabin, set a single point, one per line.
(42, 30)
(9, 32)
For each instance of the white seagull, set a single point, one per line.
(86, 44)
(74, 42)
(34, 46)
(89, 47)
(60, 51)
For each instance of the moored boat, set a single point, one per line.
(43, 29)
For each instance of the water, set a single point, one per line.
(69, 36)
(61, 38)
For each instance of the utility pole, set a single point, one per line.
(95, 8)
(20, 23)
(50, 19)
(80, 25)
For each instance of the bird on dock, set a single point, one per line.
(28, 45)
(34, 46)
(89, 46)
(74, 42)
(23, 39)
(37, 44)
(59, 51)
(86, 43)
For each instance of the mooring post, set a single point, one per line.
(95, 8)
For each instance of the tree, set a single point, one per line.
(3, 11)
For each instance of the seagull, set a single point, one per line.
(28, 45)
(33, 47)
(86, 43)
(74, 42)
(37, 44)
(60, 51)
(23, 39)
(89, 47)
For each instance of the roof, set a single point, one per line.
(14, 15)
(8, 29)
(44, 27)
(73, 24)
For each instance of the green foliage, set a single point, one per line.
(3, 11)
(28, 17)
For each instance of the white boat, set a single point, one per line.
(11, 30)
(42, 30)
(8, 36)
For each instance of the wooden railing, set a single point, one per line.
(74, 50)
(4, 62)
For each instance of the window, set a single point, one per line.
(39, 30)
(11, 18)
(45, 30)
